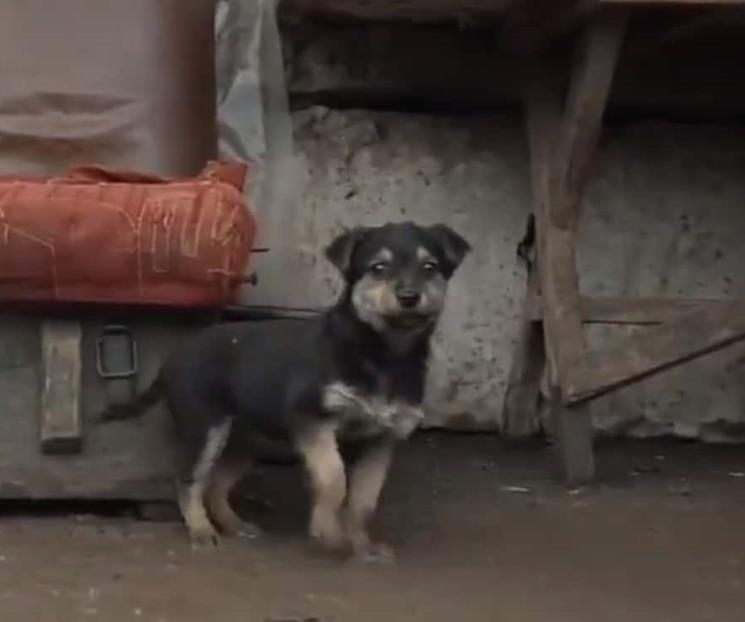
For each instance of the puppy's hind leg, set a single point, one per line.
(228, 472)
(193, 487)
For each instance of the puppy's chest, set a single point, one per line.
(364, 413)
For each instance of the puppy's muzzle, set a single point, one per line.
(408, 298)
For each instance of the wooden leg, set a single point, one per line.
(520, 417)
(562, 140)
(574, 438)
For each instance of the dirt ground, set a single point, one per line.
(483, 533)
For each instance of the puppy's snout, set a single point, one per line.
(408, 298)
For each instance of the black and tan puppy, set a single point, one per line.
(354, 375)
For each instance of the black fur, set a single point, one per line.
(272, 379)
(269, 376)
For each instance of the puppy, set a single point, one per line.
(353, 377)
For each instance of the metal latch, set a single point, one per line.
(116, 353)
(117, 363)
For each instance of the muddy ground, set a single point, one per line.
(484, 534)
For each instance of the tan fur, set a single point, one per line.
(225, 476)
(191, 497)
(373, 299)
(365, 484)
(325, 466)
(191, 505)
(422, 254)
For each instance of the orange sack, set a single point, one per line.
(106, 236)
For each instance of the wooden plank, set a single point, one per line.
(654, 46)
(557, 186)
(560, 158)
(520, 409)
(562, 327)
(638, 311)
(688, 337)
(649, 311)
(543, 114)
(547, 17)
(531, 24)
(589, 90)
(387, 10)
(681, 3)
(60, 427)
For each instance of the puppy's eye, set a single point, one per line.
(429, 266)
(379, 267)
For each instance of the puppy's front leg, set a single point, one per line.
(366, 480)
(318, 447)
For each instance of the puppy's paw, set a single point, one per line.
(375, 553)
(248, 530)
(204, 537)
(326, 529)
(234, 526)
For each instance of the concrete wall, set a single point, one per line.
(664, 215)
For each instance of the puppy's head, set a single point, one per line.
(398, 274)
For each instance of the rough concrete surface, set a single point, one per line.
(482, 531)
(663, 217)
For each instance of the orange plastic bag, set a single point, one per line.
(100, 235)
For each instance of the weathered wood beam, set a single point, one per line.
(60, 427)
(531, 24)
(638, 311)
(528, 23)
(561, 147)
(690, 25)
(560, 175)
(558, 283)
(688, 337)
(589, 91)
(520, 407)
(563, 338)
(543, 117)
(386, 10)
(673, 3)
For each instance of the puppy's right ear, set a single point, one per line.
(340, 251)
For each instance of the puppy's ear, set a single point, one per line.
(340, 251)
(454, 247)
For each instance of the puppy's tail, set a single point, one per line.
(138, 406)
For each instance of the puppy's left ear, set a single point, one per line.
(340, 251)
(454, 247)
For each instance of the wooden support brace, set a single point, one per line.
(561, 148)
(592, 76)
(637, 311)
(688, 337)
(60, 428)
(562, 324)
(520, 410)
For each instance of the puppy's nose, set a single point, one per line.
(408, 298)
